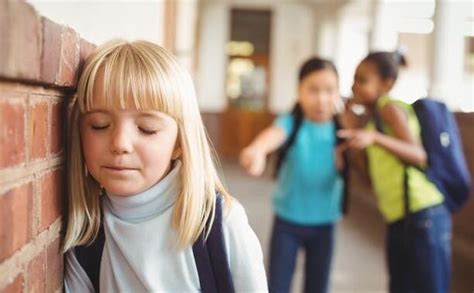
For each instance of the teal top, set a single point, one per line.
(309, 188)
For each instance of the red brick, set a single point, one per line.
(21, 45)
(86, 49)
(57, 124)
(54, 269)
(15, 287)
(51, 51)
(15, 225)
(12, 133)
(51, 186)
(38, 130)
(37, 274)
(69, 62)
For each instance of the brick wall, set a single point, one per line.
(39, 61)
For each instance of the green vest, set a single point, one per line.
(387, 172)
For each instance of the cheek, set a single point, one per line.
(330, 103)
(366, 89)
(88, 146)
(307, 101)
(91, 147)
(156, 151)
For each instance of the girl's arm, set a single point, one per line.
(403, 144)
(253, 157)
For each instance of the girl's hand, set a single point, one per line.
(253, 160)
(357, 138)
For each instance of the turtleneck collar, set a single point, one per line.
(149, 203)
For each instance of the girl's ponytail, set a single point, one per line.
(399, 56)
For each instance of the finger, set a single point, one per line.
(256, 170)
(345, 133)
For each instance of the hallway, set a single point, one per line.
(358, 264)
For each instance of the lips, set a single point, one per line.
(119, 168)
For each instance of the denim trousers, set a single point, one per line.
(419, 252)
(287, 238)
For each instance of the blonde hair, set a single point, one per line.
(142, 75)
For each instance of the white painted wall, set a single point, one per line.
(293, 41)
(447, 62)
(212, 59)
(413, 81)
(327, 25)
(185, 42)
(384, 35)
(352, 41)
(100, 20)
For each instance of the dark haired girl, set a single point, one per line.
(307, 200)
(419, 226)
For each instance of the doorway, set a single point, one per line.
(248, 80)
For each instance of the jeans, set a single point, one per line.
(287, 238)
(419, 252)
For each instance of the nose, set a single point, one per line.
(320, 101)
(121, 143)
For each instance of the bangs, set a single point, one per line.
(132, 77)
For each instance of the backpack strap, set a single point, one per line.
(297, 115)
(211, 258)
(89, 257)
(378, 121)
(345, 171)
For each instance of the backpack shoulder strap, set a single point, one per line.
(345, 171)
(211, 258)
(90, 256)
(378, 121)
(297, 115)
(217, 252)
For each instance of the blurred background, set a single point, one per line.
(244, 57)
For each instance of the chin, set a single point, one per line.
(363, 101)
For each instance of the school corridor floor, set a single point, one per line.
(358, 264)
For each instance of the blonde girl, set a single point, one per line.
(142, 184)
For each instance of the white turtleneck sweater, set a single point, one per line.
(139, 255)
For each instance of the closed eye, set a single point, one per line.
(99, 127)
(147, 131)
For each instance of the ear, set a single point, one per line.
(177, 151)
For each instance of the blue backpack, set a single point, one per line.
(446, 166)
